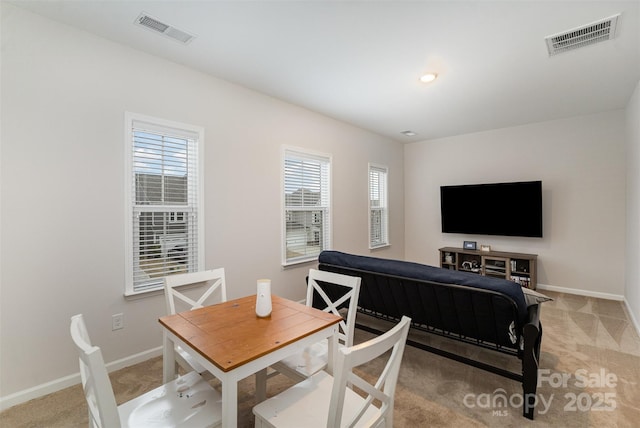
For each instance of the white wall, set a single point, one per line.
(632, 286)
(64, 94)
(581, 163)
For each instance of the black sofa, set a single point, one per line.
(488, 312)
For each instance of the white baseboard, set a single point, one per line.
(632, 316)
(607, 296)
(74, 379)
(598, 294)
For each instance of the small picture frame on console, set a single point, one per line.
(485, 247)
(470, 245)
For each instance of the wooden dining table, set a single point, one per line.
(232, 342)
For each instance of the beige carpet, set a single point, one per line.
(590, 357)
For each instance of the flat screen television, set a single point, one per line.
(506, 209)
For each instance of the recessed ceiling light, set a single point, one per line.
(409, 133)
(428, 77)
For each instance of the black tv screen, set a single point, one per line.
(506, 209)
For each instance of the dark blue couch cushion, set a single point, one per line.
(425, 272)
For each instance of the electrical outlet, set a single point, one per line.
(117, 321)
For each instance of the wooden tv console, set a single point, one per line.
(516, 267)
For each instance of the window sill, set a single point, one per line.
(296, 263)
(158, 291)
(142, 294)
(378, 247)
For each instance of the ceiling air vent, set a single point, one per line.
(595, 32)
(153, 24)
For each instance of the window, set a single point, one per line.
(307, 205)
(164, 201)
(378, 206)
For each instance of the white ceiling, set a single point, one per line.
(359, 61)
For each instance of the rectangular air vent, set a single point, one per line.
(598, 31)
(155, 25)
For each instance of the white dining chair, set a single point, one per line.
(331, 401)
(188, 401)
(185, 298)
(327, 291)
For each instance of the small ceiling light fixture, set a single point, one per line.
(409, 133)
(428, 77)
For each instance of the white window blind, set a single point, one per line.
(307, 205)
(378, 206)
(164, 195)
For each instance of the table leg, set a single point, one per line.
(168, 359)
(229, 402)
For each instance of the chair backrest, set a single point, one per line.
(103, 410)
(384, 387)
(215, 280)
(324, 285)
